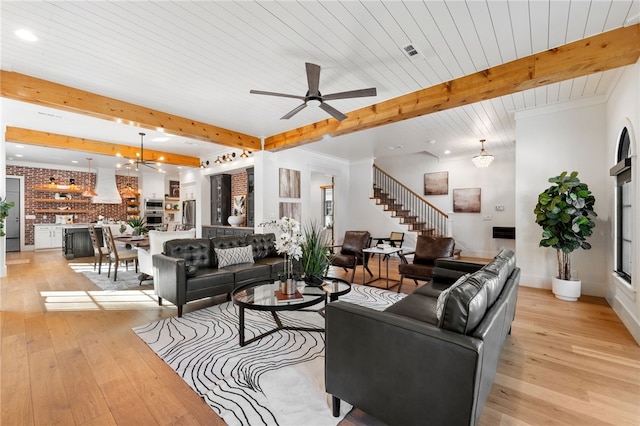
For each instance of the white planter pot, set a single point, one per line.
(235, 220)
(568, 290)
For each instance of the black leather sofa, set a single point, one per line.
(188, 269)
(406, 365)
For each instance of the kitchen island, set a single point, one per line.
(76, 241)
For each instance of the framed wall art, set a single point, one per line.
(238, 205)
(292, 210)
(289, 183)
(466, 200)
(174, 188)
(436, 183)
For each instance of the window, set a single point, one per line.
(622, 173)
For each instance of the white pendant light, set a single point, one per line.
(484, 158)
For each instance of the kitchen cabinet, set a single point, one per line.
(250, 198)
(225, 231)
(220, 199)
(47, 236)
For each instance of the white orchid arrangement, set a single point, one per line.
(289, 241)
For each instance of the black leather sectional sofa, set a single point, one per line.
(410, 366)
(188, 269)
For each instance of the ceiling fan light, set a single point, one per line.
(314, 102)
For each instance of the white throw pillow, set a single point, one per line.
(233, 256)
(442, 298)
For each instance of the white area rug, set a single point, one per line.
(127, 280)
(277, 380)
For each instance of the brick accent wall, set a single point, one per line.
(238, 187)
(34, 177)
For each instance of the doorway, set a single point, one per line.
(12, 223)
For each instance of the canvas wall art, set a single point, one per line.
(289, 183)
(292, 210)
(436, 183)
(238, 205)
(466, 200)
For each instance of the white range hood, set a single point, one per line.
(106, 187)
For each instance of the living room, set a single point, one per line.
(579, 135)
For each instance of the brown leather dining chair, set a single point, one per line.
(100, 252)
(428, 249)
(118, 254)
(351, 254)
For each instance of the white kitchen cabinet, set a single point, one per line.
(47, 236)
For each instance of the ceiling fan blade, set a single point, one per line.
(333, 112)
(293, 112)
(282, 95)
(313, 78)
(361, 93)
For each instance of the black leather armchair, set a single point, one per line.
(351, 254)
(428, 249)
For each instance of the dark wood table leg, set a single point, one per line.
(335, 404)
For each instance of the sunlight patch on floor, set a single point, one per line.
(98, 300)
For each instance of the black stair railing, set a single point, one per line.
(413, 210)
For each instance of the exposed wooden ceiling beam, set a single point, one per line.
(599, 53)
(34, 90)
(53, 140)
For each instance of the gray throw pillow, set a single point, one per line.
(442, 298)
(234, 256)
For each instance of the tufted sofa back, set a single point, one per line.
(263, 245)
(195, 251)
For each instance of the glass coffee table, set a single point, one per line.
(261, 296)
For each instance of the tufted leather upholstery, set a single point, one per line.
(448, 365)
(188, 268)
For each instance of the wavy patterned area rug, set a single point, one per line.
(277, 380)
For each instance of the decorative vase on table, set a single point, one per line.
(288, 243)
(235, 220)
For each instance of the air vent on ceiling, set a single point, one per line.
(410, 50)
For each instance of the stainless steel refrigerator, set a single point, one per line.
(189, 214)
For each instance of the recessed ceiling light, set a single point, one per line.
(26, 35)
(74, 161)
(160, 139)
(447, 152)
(20, 146)
(395, 147)
(19, 155)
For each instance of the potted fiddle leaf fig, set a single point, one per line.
(315, 254)
(4, 213)
(564, 212)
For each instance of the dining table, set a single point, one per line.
(133, 241)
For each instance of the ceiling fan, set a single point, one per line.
(314, 97)
(139, 160)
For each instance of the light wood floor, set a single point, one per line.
(68, 356)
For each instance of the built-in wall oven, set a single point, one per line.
(154, 213)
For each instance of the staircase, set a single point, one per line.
(415, 212)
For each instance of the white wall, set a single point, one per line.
(473, 232)
(550, 140)
(267, 168)
(623, 109)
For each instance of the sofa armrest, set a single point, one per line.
(145, 262)
(170, 278)
(430, 372)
